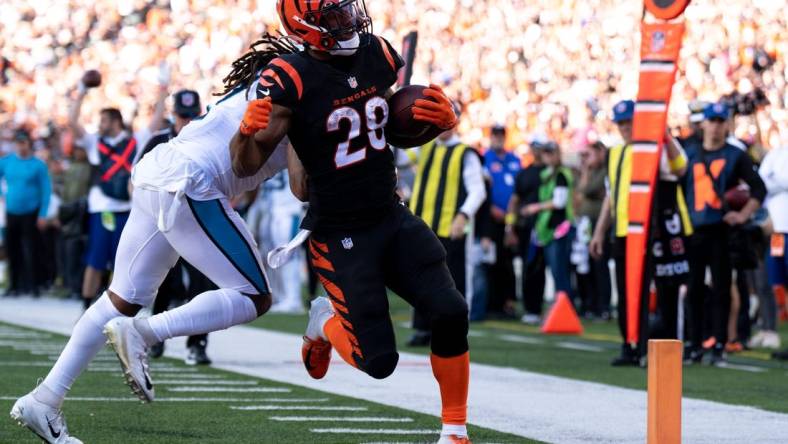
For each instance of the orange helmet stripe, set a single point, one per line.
(294, 76)
(284, 17)
(386, 51)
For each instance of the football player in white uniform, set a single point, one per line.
(274, 219)
(180, 207)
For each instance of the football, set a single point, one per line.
(91, 78)
(736, 198)
(401, 130)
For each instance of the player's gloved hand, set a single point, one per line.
(439, 112)
(256, 117)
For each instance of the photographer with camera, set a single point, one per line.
(747, 240)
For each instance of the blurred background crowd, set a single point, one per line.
(541, 73)
(553, 67)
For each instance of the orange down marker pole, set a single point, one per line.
(659, 53)
(664, 391)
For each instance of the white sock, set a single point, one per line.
(86, 340)
(210, 311)
(453, 429)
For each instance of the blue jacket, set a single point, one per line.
(502, 171)
(728, 166)
(27, 185)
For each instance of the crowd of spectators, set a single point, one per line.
(553, 67)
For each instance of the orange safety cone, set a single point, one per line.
(562, 318)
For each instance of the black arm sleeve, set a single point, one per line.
(483, 224)
(745, 170)
(153, 142)
(561, 181)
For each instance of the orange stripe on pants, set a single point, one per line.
(340, 339)
(453, 375)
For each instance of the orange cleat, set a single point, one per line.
(734, 347)
(316, 354)
(454, 439)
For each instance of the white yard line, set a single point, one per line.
(533, 405)
(25, 363)
(317, 408)
(522, 339)
(206, 382)
(97, 359)
(116, 368)
(394, 442)
(339, 419)
(185, 399)
(196, 376)
(745, 368)
(579, 346)
(23, 335)
(227, 389)
(378, 431)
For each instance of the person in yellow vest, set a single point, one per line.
(447, 192)
(669, 262)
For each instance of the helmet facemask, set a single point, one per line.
(342, 23)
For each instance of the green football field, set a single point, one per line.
(752, 378)
(201, 405)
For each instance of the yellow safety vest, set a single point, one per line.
(439, 189)
(619, 174)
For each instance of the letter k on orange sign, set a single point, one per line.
(704, 185)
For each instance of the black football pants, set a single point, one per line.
(709, 248)
(403, 254)
(455, 260)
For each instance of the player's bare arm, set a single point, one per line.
(262, 128)
(75, 109)
(297, 175)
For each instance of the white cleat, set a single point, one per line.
(45, 421)
(319, 312)
(133, 355)
(771, 340)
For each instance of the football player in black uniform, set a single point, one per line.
(329, 98)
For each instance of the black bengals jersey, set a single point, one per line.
(339, 112)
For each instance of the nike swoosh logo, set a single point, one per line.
(308, 359)
(51, 430)
(148, 385)
(263, 91)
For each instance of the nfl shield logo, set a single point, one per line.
(352, 82)
(658, 41)
(347, 243)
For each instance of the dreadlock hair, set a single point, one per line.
(244, 69)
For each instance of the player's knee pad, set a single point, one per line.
(382, 366)
(450, 325)
(236, 306)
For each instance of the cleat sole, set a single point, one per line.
(135, 388)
